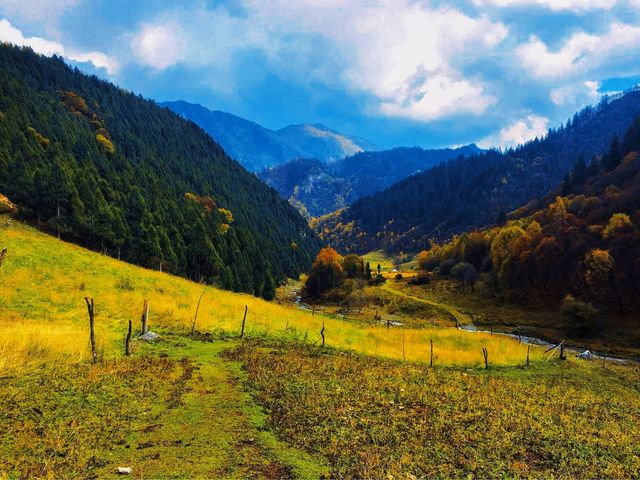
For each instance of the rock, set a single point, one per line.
(586, 355)
(124, 470)
(6, 206)
(150, 337)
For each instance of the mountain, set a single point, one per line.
(585, 244)
(318, 141)
(317, 188)
(476, 191)
(257, 147)
(112, 171)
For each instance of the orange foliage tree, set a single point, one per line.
(326, 273)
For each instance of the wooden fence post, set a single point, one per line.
(195, 317)
(431, 356)
(322, 333)
(92, 336)
(3, 254)
(127, 351)
(562, 357)
(485, 354)
(528, 350)
(244, 319)
(145, 317)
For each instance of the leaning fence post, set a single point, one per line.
(322, 333)
(485, 354)
(431, 356)
(127, 351)
(244, 319)
(92, 336)
(3, 254)
(195, 317)
(145, 317)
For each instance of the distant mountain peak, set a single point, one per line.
(257, 147)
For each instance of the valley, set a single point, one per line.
(211, 404)
(185, 293)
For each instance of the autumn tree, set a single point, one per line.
(618, 223)
(353, 266)
(326, 273)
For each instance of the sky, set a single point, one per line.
(396, 72)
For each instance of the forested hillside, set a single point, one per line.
(112, 171)
(471, 192)
(586, 243)
(317, 188)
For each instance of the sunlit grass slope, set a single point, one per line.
(43, 315)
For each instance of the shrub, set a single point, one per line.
(446, 265)
(581, 315)
(398, 276)
(377, 280)
(421, 279)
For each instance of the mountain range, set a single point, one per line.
(317, 188)
(257, 147)
(470, 192)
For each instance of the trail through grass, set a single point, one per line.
(178, 410)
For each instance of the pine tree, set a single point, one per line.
(579, 173)
(594, 167)
(269, 288)
(367, 271)
(614, 155)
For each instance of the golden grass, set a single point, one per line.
(25, 345)
(43, 282)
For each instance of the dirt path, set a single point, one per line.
(208, 426)
(462, 319)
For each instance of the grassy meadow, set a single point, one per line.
(44, 282)
(276, 404)
(387, 419)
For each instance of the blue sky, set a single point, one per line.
(428, 73)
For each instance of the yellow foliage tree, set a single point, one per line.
(618, 223)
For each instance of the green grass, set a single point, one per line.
(176, 409)
(376, 418)
(280, 406)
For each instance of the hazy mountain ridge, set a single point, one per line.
(257, 147)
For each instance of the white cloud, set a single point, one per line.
(408, 56)
(10, 34)
(575, 95)
(98, 59)
(36, 10)
(439, 97)
(159, 46)
(578, 6)
(518, 132)
(582, 52)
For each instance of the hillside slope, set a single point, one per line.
(317, 188)
(278, 405)
(257, 147)
(475, 191)
(114, 172)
